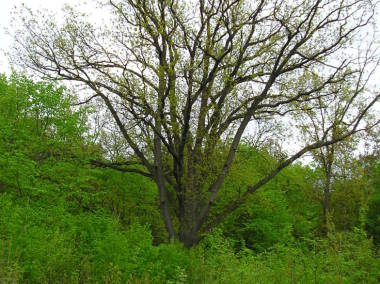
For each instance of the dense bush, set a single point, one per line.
(64, 221)
(47, 244)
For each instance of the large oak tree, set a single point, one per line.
(183, 80)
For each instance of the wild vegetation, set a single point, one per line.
(167, 144)
(64, 220)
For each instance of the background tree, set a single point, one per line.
(327, 118)
(183, 80)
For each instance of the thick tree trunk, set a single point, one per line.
(188, 238)
(187, 234)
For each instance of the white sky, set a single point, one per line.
(5, 18)
(6, 8)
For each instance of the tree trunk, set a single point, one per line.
(188, 238)
(187, 235)
(326, 203)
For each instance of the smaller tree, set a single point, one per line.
(327, 118)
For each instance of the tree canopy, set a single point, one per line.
(184, 80)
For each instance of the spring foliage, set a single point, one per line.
(64, 221)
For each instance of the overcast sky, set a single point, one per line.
(6, 7)
(55, 5)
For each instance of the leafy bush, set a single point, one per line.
(63, 221)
